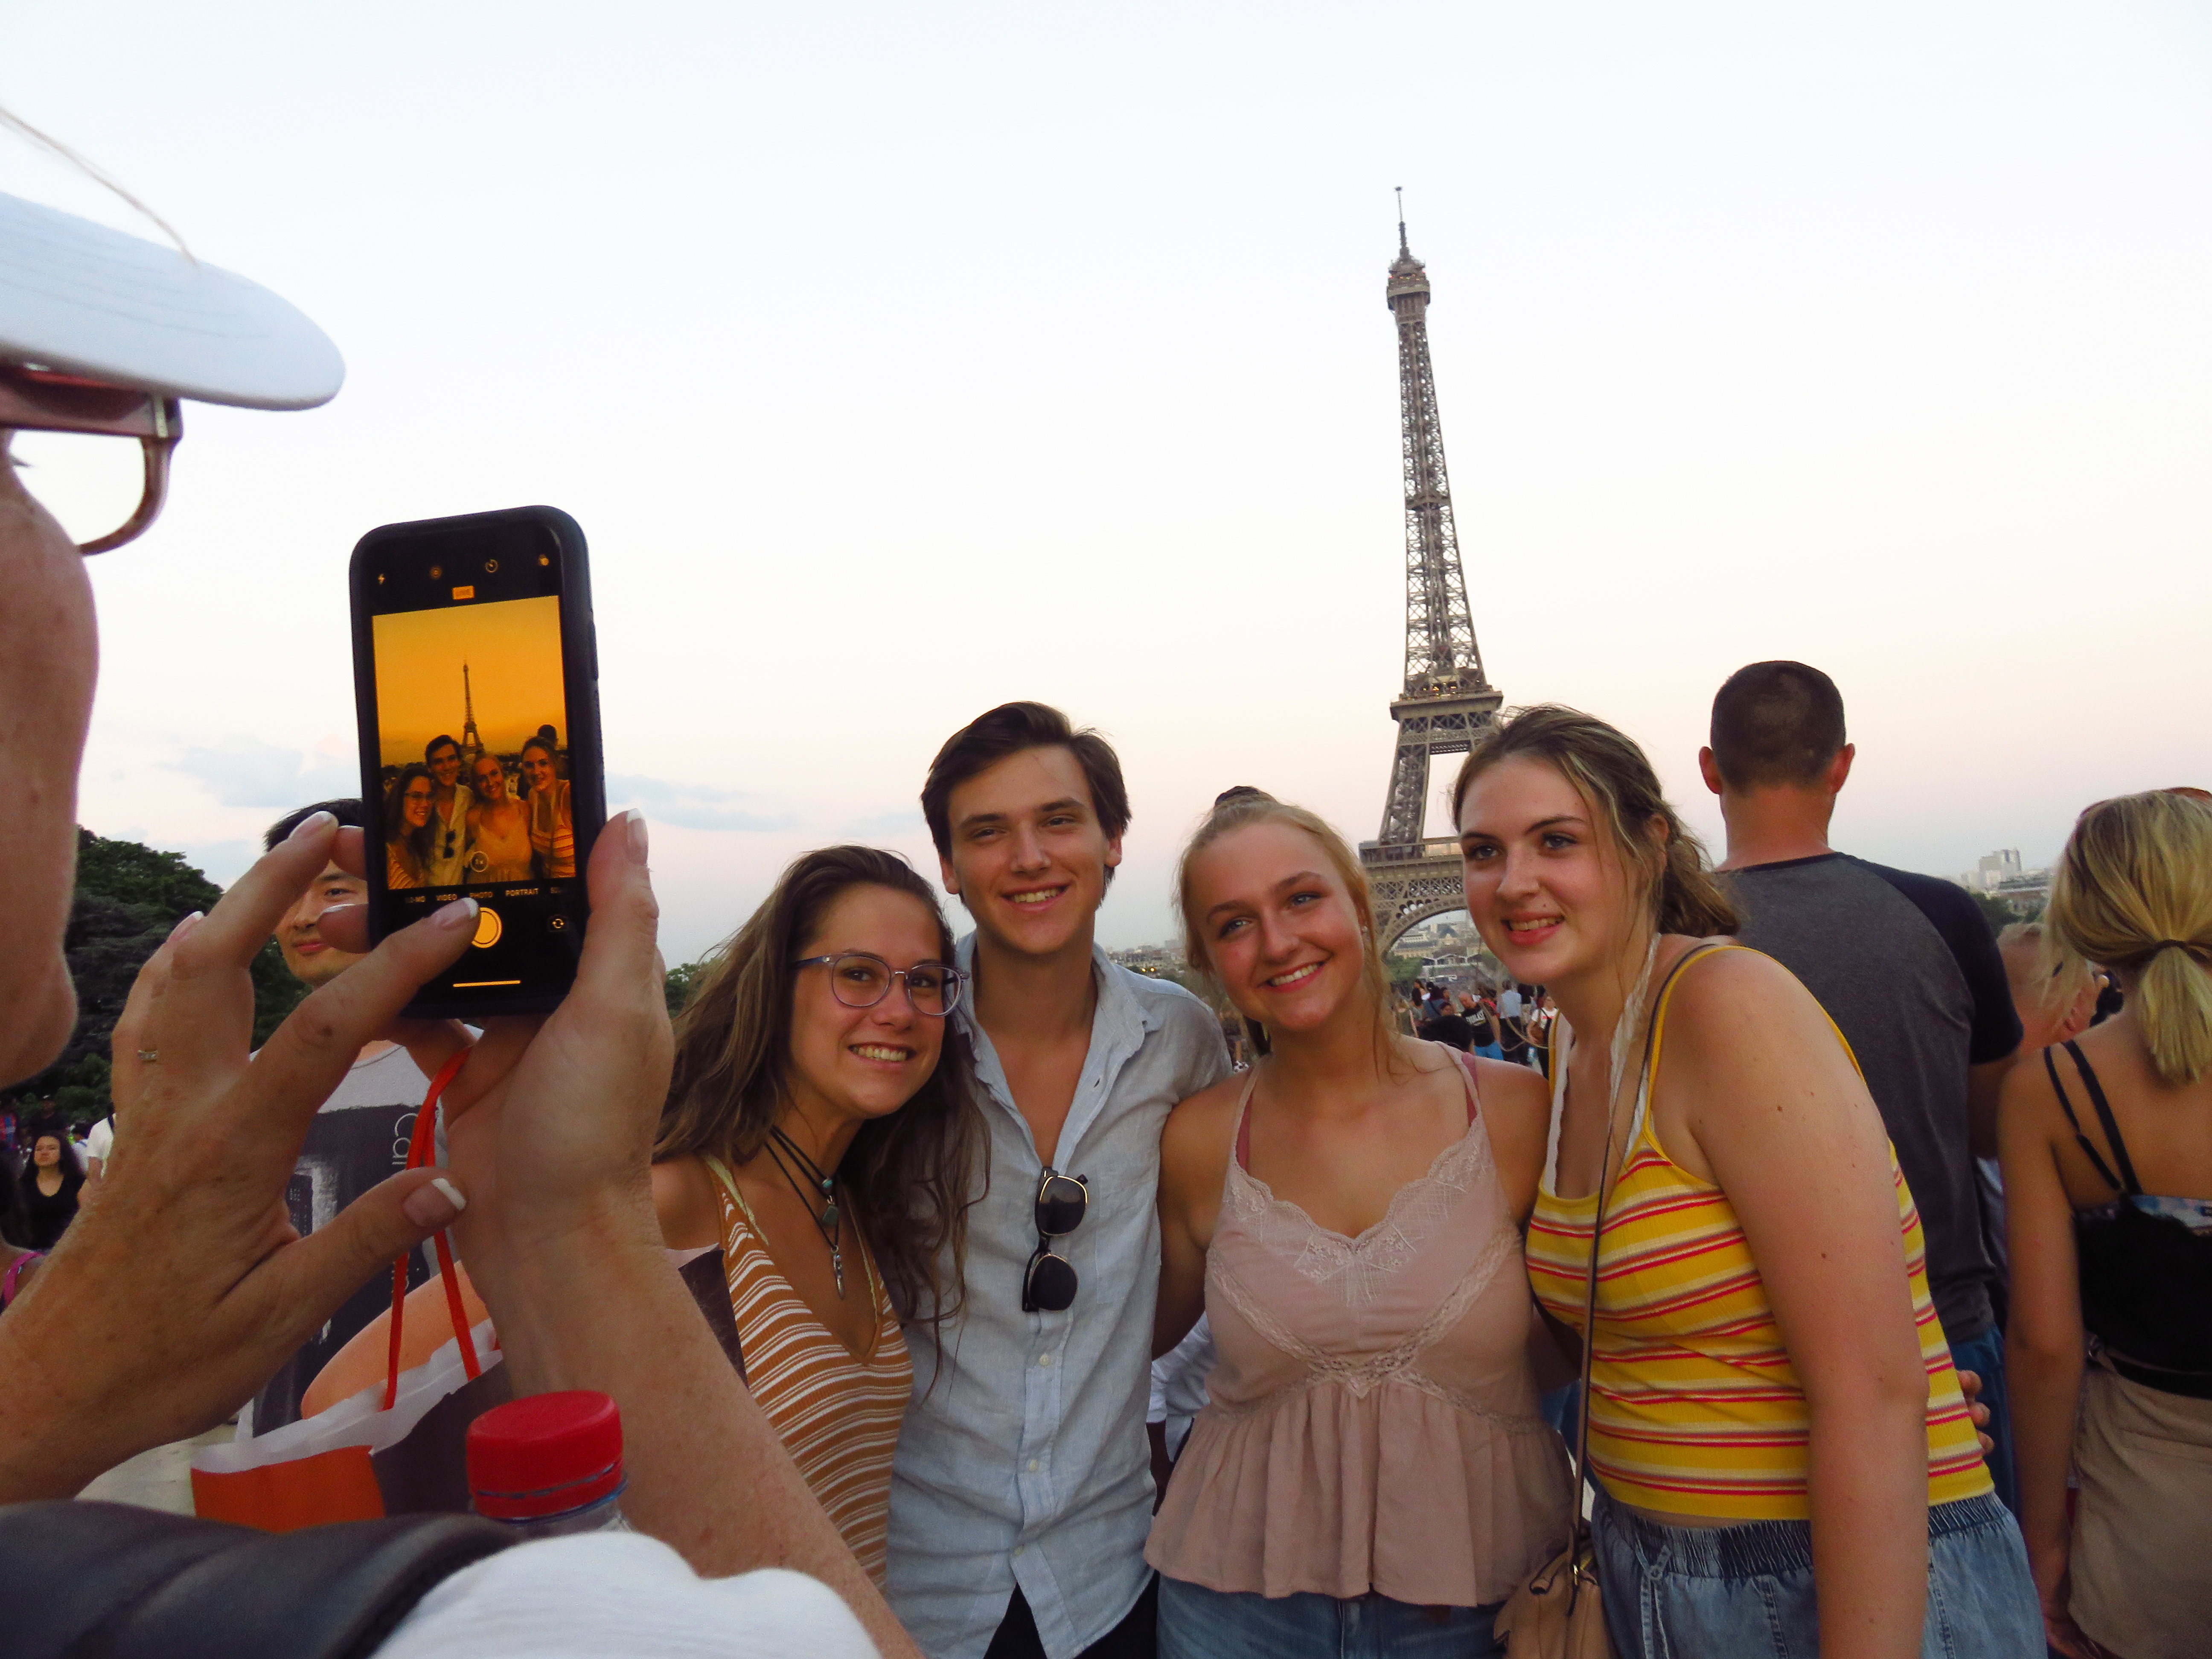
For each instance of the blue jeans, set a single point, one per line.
(1197, 1623)
(1746, 1592)
(1983, 1355)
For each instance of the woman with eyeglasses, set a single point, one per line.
(820, 1130)
(1371, 1475)
(408, 831)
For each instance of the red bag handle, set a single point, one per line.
(420, 1145)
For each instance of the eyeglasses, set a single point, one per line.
(1050, 1284)
(861, 980)
(42, 400)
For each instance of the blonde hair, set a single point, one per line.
(1240, 808)
(2037, 972)
(2133, 889)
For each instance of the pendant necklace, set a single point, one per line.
(828, 1220)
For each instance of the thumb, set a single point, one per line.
(322, 1270)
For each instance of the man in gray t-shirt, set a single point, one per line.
(1904, 963)
(357, 1139)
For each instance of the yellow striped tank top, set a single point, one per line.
(1695, 1408)
(837, 1415)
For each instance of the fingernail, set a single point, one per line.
(312, 824)
(461, 913)
(186, 925)
(434, 1204)
(638, 840)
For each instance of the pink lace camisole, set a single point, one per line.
(1373, 1423)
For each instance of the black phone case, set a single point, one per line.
(580, 655)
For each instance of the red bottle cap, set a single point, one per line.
(544, 1455)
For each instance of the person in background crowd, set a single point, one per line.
(1482, 1022)
(545, 793)
(1785, 1459)
(1344, 1214)
(2055, 999)
(1513, 1036)
(99, 1147)
(408, 829)
(449, 851)
(1905, 964)
(359, 1137)
(18, 1260)
(49, 1186)
(499, 827)
(2107, 1156)
(821, 1130)
(1022, 1492)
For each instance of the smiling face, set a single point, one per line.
(445, 762)
(863, 1062)
(47, 1152)
(1029, 858)
(538, 768)
(489, 778)
(1547, 888)
(311, 959)
(415, 804)
(1280, 928)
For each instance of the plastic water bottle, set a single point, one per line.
(549, 1465)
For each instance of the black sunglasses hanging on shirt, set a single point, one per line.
(1050, 1284)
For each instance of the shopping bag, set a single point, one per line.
(395, 1447)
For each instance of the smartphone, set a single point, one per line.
(476, 676)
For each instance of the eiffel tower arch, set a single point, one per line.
(1447, 699)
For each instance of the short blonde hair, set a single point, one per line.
(2133, 889)
(1240, 808)
(2037, 974)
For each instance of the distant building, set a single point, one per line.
(2001, 875)
(1148, 959)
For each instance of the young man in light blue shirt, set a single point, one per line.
(1023, 1490)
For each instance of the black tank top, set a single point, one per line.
(2146, 1274)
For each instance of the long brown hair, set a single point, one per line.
(1236, 809)
(909, 1171)
(2133, 889)
(1611, 773)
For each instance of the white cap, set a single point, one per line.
(85, 300)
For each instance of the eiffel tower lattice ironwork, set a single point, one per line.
(472, 746)
(1447, 699)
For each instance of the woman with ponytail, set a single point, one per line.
(2107, 1143)
(1785, 1462)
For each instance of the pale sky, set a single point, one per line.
(898, 361)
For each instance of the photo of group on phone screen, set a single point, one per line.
(490, 805)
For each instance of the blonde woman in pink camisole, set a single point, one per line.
(1371, 1477)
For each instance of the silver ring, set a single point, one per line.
(149, 1055)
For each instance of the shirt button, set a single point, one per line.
(1033, 1466)
(1019, 1548)
(1044, 1359)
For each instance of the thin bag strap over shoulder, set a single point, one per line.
(2081, 1140)
(2105, 1116)
(1658, 1005)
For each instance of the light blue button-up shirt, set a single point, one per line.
(1023, 1460)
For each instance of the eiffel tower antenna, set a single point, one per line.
(1447, 699)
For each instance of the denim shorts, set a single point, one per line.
(1197, 1623)
(1746, 1592)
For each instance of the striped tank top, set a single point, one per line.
(838, 1416)
(1695, 1408)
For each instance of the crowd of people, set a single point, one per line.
(441, 831)
(965, 1190)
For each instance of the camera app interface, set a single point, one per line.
(471, 717)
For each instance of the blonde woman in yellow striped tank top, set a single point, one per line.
(1784, 1462)
(819, 1132)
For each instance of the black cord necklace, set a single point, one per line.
(828, 1221)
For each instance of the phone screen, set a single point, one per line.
(480, 728)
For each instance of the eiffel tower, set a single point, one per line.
(1446, 699)
(472, 746)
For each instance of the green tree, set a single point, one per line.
(1998, 914)
(128, 897)
(681, 981)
